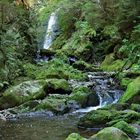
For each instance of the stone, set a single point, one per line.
(127, 128)
(132, 94)
(110, 133)
(75, 136)
(16, 95)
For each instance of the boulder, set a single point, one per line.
(75, 136)
(60, 86)
(84, 96)
(16, 95)
(132, 94)
(58, 106)
(96, 118)
(125, 127)
(110, 133)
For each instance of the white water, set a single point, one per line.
(51, 31)
(103, 89)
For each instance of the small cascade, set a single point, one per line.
(105, 87)
(51, 32)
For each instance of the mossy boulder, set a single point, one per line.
(128, 116)
(84, 96)
(16, 95)
(97, 118)
(110, 64)
(108, 117)
(75, 136)
(55, 68)
(25, 107)
(127, 128)
(132, 94)
(60, 86)
(84, 66)
(116, 106)
(57, 106)
(110, 133)
(125, 81)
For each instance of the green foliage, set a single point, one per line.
(18, 39)
(55, 68)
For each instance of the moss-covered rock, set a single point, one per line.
(60, 86)
(23, 92)
(97, 118)
(82, 65)
(116, 106)
(84, 96)
(132, 94)
(57, 106)
(110, 133)
(124, 126)
(125, 81)
(75, 136)
(110, 64)
(128, 116)
(55, 68)
(108, 116)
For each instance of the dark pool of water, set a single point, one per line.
(41, 128)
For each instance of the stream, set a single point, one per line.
(46, 126)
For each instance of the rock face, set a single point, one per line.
(75, 136)
(132, 94)
(110, 133)
(23, 92)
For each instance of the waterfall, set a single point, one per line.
(51, 32)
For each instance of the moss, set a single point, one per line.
(124, 126)
(97, 118)
(60, 86)
(132, 94)
(80, 95)
(135, 107)
(125, 82)
(75, 136)
(110, 133)
(110, 64)
(23, 92)
(54, 105)
(55, 68)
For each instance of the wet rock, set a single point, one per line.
(96, 118)
(132, 94)
(108, 117)
(23, 92)
(75, 136)
(58, 106)
(47, 52)
(116, 106)
(82, 96)
(60, 86)
(93, 100)
(110, 133)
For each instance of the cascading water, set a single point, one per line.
(51, 32)
(105, 88)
